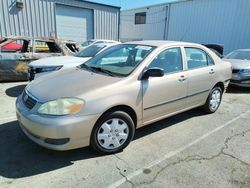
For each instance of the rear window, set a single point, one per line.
(91, 51)
(46, 47)
(87, 43)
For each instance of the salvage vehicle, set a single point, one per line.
(240, 60)
(48, 65)
(130, 85)
(14, 63)
(11, 46)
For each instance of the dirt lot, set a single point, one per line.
(188, 150)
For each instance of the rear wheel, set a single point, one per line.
(214, 100)
(112, 132)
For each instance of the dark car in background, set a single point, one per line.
(240, 60)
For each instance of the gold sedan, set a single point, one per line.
(103, 101)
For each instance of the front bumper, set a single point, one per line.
(72, 131)
(241, 80)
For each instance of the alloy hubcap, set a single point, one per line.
(215, 100)
(113, 133)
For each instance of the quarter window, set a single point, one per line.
(169, 60)
(140, 18)
(197, 58)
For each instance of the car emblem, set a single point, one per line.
(25, 98)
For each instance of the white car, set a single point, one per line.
(45, 66)
(97, 41)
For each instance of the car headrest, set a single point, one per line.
(196, 56)
(143, 53)
(171, 57)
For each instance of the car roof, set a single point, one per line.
(243, 50)
(159, 43)
(102, 40)
(106, 44)
(17, 38)
(42, 39)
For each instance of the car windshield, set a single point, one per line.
(242, 55)
(120, 60)
(87, 43)
(90, 51)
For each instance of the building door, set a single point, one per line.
(74, 23)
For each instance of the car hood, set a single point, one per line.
(239, 64)
(57, 61)
(73, 82)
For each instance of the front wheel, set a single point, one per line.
(213, 101)
(112, 132)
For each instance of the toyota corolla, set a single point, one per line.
(103, 101)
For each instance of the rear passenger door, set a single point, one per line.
(201, 73)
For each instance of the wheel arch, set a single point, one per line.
(221, 85)
(125, 108)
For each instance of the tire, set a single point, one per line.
(111, 130)
(211, 107)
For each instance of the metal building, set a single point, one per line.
(224, 22)
(69, 19)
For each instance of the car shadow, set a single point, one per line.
(15, 91)
(238, 90)
(168, 122)
(20, 157)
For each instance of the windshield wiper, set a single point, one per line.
(99, 69)
(84, 66)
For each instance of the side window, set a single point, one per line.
(169, 60)
(46, 47)
(17, 45)
(197, 58)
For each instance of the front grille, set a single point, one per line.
(28, 101)
(236, 70)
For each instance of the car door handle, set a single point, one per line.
(211, 71)
(182, 78)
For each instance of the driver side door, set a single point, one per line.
(163, 96)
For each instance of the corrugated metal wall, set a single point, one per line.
(211, 21)
(37, 18)
(153, 29)
(202, 21)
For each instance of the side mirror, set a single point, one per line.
(153, 72)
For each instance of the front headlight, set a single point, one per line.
(245, 71)
(63, 106)
(49, 69)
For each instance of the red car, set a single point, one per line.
(12, 46)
